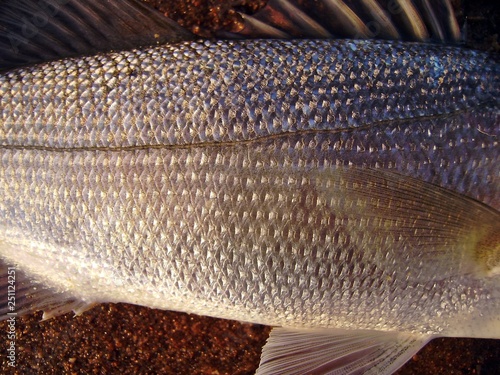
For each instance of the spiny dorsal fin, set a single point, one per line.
(420, 20)
(34, 31)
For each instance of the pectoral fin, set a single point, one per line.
(335, 351)
(449, 232)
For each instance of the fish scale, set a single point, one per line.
(192, 92)
(176, 103)
(308, 184)
(207, 251)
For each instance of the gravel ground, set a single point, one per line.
(129, 339)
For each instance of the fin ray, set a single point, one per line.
(37, 31)
(449, 229)
(335, 351)
(20, 295)
(405, 217)
(399, 19)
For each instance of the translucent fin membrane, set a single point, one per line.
(36, 31)
(31, 296)
(418, 20)
(337, 352)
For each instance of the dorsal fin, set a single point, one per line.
(419, 20)
(33, 31)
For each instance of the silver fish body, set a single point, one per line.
(442, 100)
(289, 183)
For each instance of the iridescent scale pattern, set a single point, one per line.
(192, 177)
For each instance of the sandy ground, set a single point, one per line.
(127, 339)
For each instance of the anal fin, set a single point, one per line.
(20, 295)
(336, 351)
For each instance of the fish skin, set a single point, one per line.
(371, 96)
(105, 156)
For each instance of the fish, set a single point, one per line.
(354, 183)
